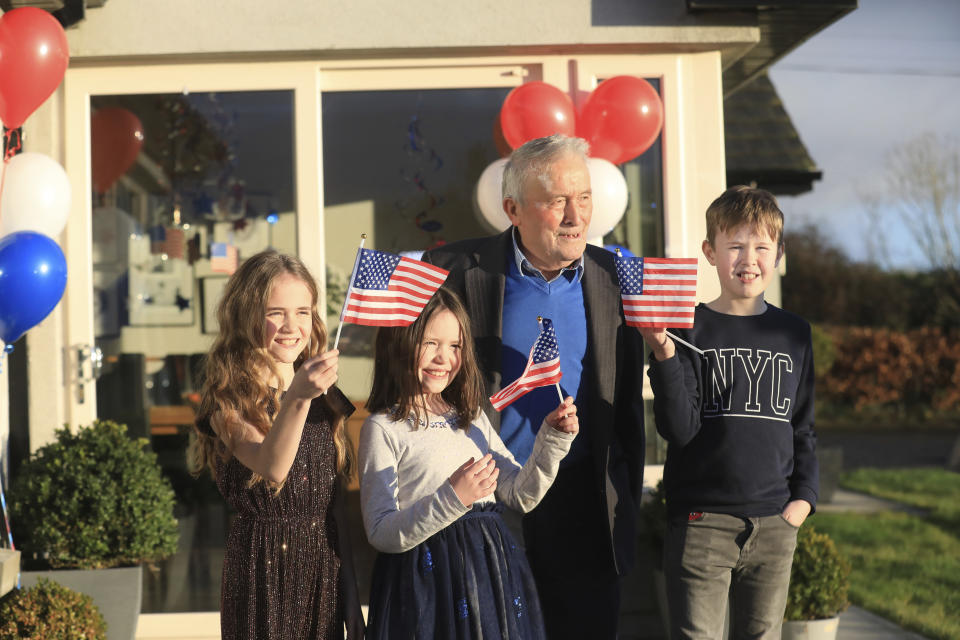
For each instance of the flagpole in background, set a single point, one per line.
(556, 384)
(353, 276)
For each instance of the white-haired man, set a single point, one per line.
(580, 539)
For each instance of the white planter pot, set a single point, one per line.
(811, 629)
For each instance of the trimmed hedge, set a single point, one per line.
(52, 612)
(882, 367)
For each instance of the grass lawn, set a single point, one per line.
(905, 567)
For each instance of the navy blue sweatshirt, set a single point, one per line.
(738, 420)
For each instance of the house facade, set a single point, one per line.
(300, 125)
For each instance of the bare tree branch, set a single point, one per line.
(923, 186)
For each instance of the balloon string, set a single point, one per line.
(13, 143)
(10, 149)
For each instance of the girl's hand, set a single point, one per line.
(475, 480)
(315, 376)
(564, 418)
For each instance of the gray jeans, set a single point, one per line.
(709, 557)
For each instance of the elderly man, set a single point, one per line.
(580, 539)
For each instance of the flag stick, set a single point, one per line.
(684, 342)
(353, 276)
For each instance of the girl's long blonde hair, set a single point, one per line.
(234, 388)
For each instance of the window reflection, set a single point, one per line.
(185, 186)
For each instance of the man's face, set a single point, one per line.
(553, 219)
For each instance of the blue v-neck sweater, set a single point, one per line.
(525, 297)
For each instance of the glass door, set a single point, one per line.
(182, 185)
(209, 182)
(402, 152)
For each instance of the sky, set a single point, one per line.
(882, 75)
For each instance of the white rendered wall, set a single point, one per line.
(123, 28)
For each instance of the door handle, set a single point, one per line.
(89, 366)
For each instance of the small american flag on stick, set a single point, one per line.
(658, 292)
(390, 290)
(543, 368)
(223, 257)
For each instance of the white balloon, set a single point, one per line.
(36, 196)
(609, 198)
(488, 198)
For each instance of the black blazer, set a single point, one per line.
(613, 369)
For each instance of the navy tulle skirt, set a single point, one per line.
(470, 580)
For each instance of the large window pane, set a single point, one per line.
(401, 166)
(207, 182)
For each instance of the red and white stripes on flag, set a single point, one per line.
(658, 292)
(223, 257)
(543, 368)
(390, 290)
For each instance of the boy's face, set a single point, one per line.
(746, 259)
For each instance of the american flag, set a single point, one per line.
(543, 368)
(223, 257)
(658, 292)
(390, 290)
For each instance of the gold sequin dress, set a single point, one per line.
(282, 563)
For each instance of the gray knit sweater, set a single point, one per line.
(405, 491)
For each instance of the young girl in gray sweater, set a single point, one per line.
(432, 469)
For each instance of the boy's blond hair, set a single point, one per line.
(743, 205)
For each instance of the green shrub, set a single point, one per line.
(819, 580)
(885, 368)
(824, 351)
(94, 499)
(52, 612)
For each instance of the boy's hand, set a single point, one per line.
(796, 512)
(564, 418)
(660, 343)
(475, 480)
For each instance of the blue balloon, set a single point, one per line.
(33, 275)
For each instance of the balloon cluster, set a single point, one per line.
(34, 190)
(620, 119)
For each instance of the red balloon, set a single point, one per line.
(33, 59)
(116, 136)
(621, 118)
(499, 141)
(534, 110)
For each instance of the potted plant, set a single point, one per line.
(51, 611)
(94, 499)
(819, 582)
